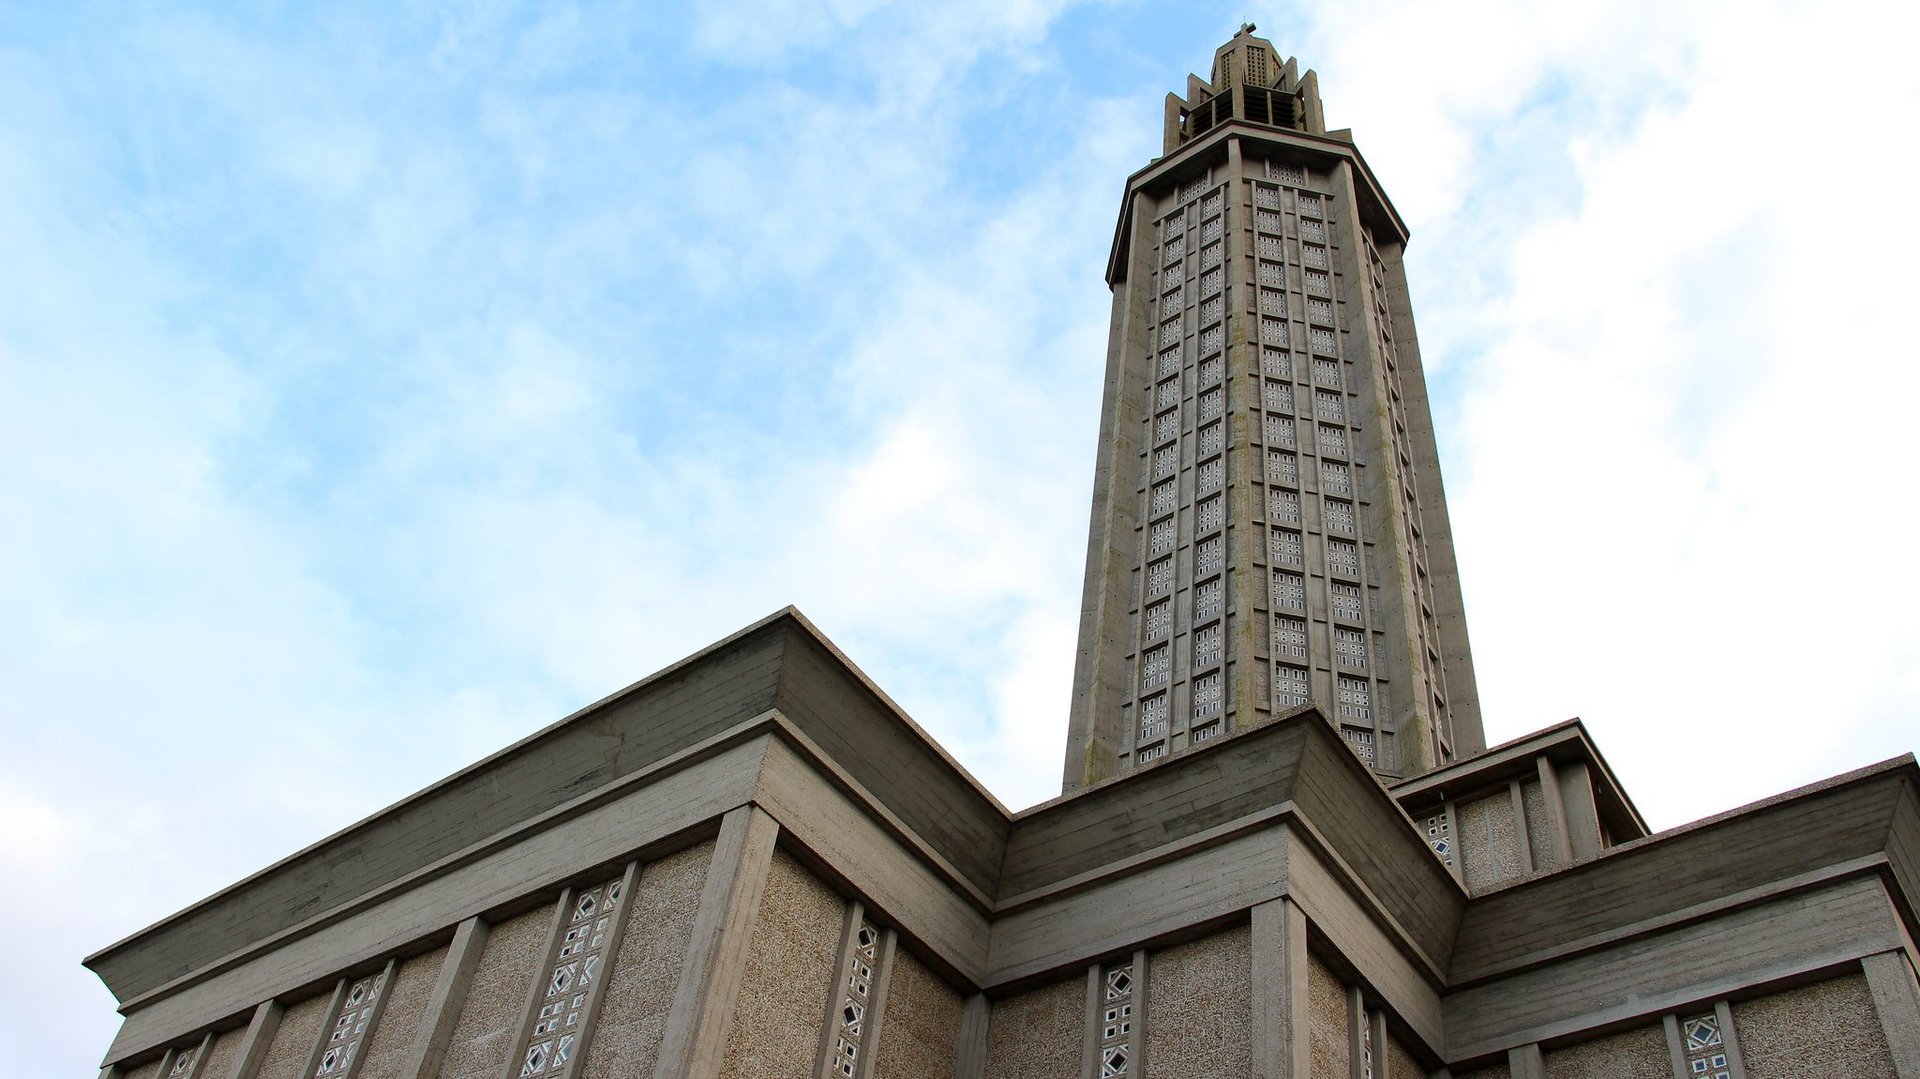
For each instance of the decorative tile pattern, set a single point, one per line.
(1208, 558)
(1116, 1021)
(1352, 699)
(1279, 431)
(1283, 467)
(1290, 686)
(1290, 638)
(1339, 515)
(1706, 1051)
(1285, 547)
(1440, 837)
(1153, 717)
(1206, 650)
(1206, 601)
(350, 1026)
(1289, 591)
(1156, 666)
(1207, 694)
(1343, 558)
(1346, 602)
(1283, 506)
(1286, 174)
(183, 1063)
(583, 945)
(1160, 539)
(856, 999)
(1159, 620)
(1350, 648)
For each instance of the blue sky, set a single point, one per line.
(379, 384)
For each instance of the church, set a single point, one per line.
(1282, 849)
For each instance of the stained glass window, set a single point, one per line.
(857, 1000)
(556, 1029)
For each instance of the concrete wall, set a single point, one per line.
(389, 1044)
(1828, 1030)
(497, 997)
(789, 981)
(224, 1056)
(1329, 1017)
(1640, 1053)
(1038, 1034)
(293, 1043)
(626, 1039)
(921, 1033)
(1199, 1008)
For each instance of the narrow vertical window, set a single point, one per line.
(1116, 1021)
(352, 1018)
(857, 1000)
(572, 980)
(1706, 1048)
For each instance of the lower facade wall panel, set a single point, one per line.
(293, 1043)
(224, 1056)
(390, 1043)
(1038, 1034)
(626, 1040)
(1199, 1016)
(784, 996)
(491, 1015)
(1329, 1016)
(1640, 1053)
(921, 1033)
(1828, 1030)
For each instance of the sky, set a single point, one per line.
(379, 384)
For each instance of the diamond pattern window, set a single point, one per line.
(1116, 1021)
(1706, 1048)
(570, 980)
(350, 1024)
(1440, 836)
(856, 1000)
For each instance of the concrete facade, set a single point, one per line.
(1268, 524)
(753, 864)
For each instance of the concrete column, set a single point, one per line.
(1525, 1062)
(443, 1008)
(972, 1057)
(1282, 1048)
(702, 1010)
(1896, 997)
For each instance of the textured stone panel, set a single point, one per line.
(149, 1070)
(224, 1056)
(390, 1042)
(1401, 1063)
(1200, 1008)
(299, 1032)
(633, 1017)
(1824, 1031)
(1543, 834)
(921, 1032)
(491, 1016)
(1489, 840)
(1328, 1020)
(1491, 1071)
(1640, 1053)
(1038, 1034)
(789, 977)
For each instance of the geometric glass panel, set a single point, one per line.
(570, 978)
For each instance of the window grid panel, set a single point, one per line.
(1283, 467)
(1167, 393)
(1211, 255)
(1170, 363)
(570, 978)
(1346, 603)
(1210, 369)
(1210, 309)
(1319, 283)
(1208, 515)
(1277, 396)
(1206, 601)
(1273, 302)
(1206, 647)
(1164, 497)
(1175, 250)
(1322, 340)
(1273, 332)
(1310, 205)
(1320, 311)
(1212, 206)
(1153, 718)
(1213, 338)
(1270, 248)
(1326, 372)
(1166, 461)
(1165, 426)
(1283, 506)
(1192, 188)
(1332, 441)
(1353, 700)
(183, 1061)
(1350, 648)
(1313, 230)
(1290, 638)
(1313, 255)
(1156, 667)
(1160, 577)
(350, 1028)
(1153, 753)
(1116, 1021)
(1272, 274)
(1170, 303)
(1266, 221)
(1336, 478)
(1289, 591)
(1286, 174)
(1279, 431)
(1208, 696)
(1339, 516)
(1290, 686)
(1160, 539)
(1343, 558)
(1159, 620)
(1285, 547)
(1209, 557)
(1212, 404)
(856, 1001)
(1266, 197)
(1212, 281)
(1706, 1048)
(1276, 363)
